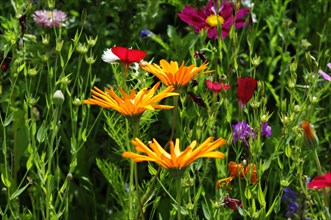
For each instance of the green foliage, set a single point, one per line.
(61, 159)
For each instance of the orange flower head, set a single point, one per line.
(308, 133)
(250, 171)
(133, 103)
(171, 74)
(176, 159)
(235, 169)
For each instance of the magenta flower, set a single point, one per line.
(49, 18)
(217, 87)
(210, 18)
(326, 76)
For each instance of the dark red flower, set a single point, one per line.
(217, 87)
(246, 88)
(232, 203)
(197, 99)
(126, 55)
(320, 182)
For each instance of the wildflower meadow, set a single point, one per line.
(165, 109)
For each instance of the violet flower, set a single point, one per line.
(242, 131)
(290, 197)
(266, 129)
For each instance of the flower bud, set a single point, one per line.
(59, 45)
(82, 48)
(256, 60)
(77, 102)
(90, 60)
(45, 39)
(58, 97)
(91, 41)
(314, 100)
(297, 109)
(32, 72)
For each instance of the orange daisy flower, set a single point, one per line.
(133, 103)
(171, 74)
(176, 159)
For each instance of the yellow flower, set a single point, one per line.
(133, 103)
(171, 74)
(176, 159)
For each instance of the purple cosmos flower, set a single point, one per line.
(214, 14)
(49, 18)
(242, 131)
(326, 76)
(266, 129)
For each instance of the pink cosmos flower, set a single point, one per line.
(209, 17)
(326, 76)
(321, 181)
(217, 87)
(49, 18)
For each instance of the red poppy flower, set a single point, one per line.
(232, 203)
(217, 87)
(125, 55)
(320, 182)
(246, 88)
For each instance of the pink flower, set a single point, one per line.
(208, 18)
(321, 181)
(326, 76)
(217, 87)
(49, 18)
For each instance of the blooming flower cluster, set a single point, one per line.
(49, 18)
(243, 132)
(214, 15)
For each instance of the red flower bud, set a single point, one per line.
(246, 88)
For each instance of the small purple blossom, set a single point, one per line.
(324, 74)
(290, 197)
(145, 33)
(266, 129)
(242, 131)
(49, 18)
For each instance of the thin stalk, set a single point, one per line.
(174, 119)
(179, 196)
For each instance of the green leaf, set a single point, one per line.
(151, 170)
(41, 134)
(18, 192)
(288, 150)
(5, 181)
(20, 68)
(8, 119)
(260, 196)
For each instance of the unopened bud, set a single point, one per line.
(58, 97)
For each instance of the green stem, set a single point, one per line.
(179, 196)
(174, 119)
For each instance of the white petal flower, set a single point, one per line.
(109, 57)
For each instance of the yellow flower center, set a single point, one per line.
(214, 20)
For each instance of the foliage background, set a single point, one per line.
(285, 32)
